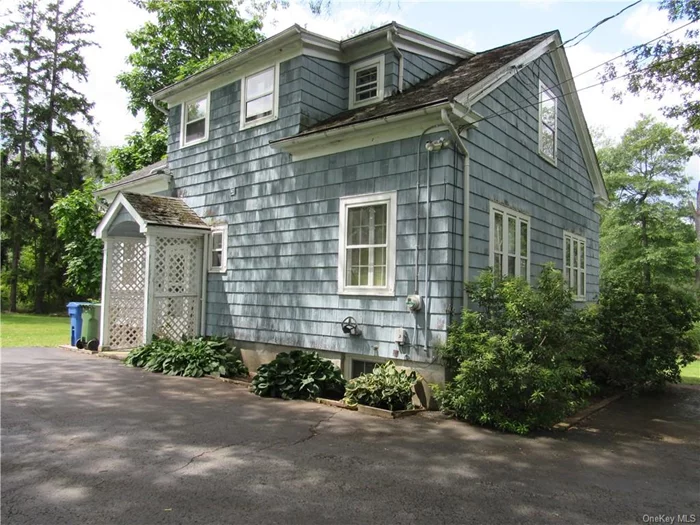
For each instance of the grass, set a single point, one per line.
(33, 330)
(691, 373)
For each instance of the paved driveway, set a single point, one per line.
(87, 440)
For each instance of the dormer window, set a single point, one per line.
(195, 120)
(367, 82)
(259, 98)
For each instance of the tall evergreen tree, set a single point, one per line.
(21, 80)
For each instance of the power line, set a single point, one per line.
(590, 30)
(518, 108)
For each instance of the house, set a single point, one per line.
(334, 196)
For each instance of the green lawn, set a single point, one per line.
(691, 373)
(33, 330)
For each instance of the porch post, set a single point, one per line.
(106, 282)
(150, 255)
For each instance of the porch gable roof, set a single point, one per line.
(151, 210)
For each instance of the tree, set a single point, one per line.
(141, 149)
(646, 234)
(186, 37)
(20, 67)
(670, 64)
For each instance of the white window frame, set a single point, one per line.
(221, 229)
(571, 238)
(183, 123)
(519, 218)
(359, 201)
(275, 98)
(375, 61)
(540, 125)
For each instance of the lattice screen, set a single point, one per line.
(177, 284)
(126, 290)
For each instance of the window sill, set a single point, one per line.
(256, 123)
(379, 292)
(552, 161)
(368, 102)
(193, 143)
(217, 270)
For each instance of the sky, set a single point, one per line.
(475, 25)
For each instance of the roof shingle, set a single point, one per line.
(164, 211)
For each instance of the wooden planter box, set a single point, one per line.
(334, 403)
(388, 414)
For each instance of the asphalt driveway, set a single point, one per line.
(88, 440)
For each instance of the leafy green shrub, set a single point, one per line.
(191, 358)
(647, 334)
(298, 375)
(385, 387)
(517, 362)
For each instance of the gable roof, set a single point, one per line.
(438, 89)
(156, 169)
(152, 210)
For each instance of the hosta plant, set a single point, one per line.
(190, 358)
(385, 387)
(298, 375)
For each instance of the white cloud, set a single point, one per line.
(647, 22)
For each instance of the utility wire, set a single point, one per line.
(518, 108)
(590, 30)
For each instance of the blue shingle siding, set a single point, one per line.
(418, 67)
(281, 282)
(506, 168)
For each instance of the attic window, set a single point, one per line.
(259, 98)
(548, 124)
(367, 82)
(195, 116)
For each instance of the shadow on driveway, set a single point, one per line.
(88, 440)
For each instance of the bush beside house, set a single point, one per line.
(194, 357)
(385, 387)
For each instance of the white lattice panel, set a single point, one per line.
(176, 287)
(126, 294)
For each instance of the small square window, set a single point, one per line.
(367, 82)
(195, 121)
(575, 264)
(258, 99)
(217, 248)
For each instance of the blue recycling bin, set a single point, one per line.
(75, 312)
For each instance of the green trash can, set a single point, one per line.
(90, 333)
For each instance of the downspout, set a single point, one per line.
(154, 103)
(426, 302)
(415, 271)
(390, 39)
(465, 215)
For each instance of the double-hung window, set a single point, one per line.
(575, 264)
(548, 124)
(367, 244)
(195, 120)
(217, 248)
(367, 82)
(509, 253)
(259, 98)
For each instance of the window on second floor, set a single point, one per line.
(367, 82)
(548, 124)
(195, 121)
(367, 244)
(259, 98)
(575, 264)
(509, 253)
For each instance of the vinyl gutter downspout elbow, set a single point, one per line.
(154, 103)
(465, 200)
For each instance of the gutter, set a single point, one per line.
(343, 129)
